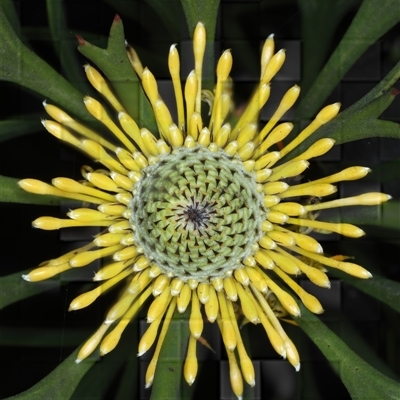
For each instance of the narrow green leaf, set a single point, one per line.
(361, 380)
(385, 216)
(60, 383)
(168, 378)
(357, 122)
(11, 15)
(379, 287)
(374, 18)
(13, 288)
(114, 63)
(67, 51)
(23, 67)
(10, 192)
(320, 19)
(24, 125)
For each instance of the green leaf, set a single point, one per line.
(67, 53)
(319, 20)
(14, 288)
(358, 121)
(205, 12)
(23, 67)
(25, 124)
(385, 216)
(10, 192)
(361, 380)
(374, 18)
(114, 63)
(168, 379)
(379, 287)
(60, 383)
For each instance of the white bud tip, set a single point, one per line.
(297, 367)
(78, 360)
(96, 278)
(43, 122)
(147, 385)
(44, 103)
(109, 321)
(86, 66)
(368, 274)
(140, 353)
(271, 36)
(283, 354)
(26, 277)
(172, 48)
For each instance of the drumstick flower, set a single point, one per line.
(200, 214)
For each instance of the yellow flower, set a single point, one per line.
(199, 214)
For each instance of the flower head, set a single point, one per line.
(199, 215)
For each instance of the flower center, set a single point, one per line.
(197, 213)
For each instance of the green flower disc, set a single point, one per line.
(197, 213)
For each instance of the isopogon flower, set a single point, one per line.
(198, 214)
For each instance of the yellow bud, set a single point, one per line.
(264, 259)
(267, 52)
(212, 306)
(223, 134)
(292, 354)
(218, 284)
(267, 226)
(224, 65)
(148, 337)
(328, 113)
(271, 200)
(317, 149)
(126, 159)
(273, 66)
(317, 190)
(161, 282)
(277, 217)
(108, 239)
(203, 291)
(227, 330)
(159, 305)
(235, 375)
(196, 319)
(289, 170)
(267, 243)
(281, 238)
(150, 86)
(248, 308)
(60, 132)
(176, 286)
(84, 300)
(204, 137)
(290, 208)
(112, 209)
(175, 136)
(241, 276)
(275, 187)
(86, 214)
(246, 151)
(267, 160)
(119, 308)
(262, 175)
(230, 288)
(86, 257)
(278, 134)
(190, 368)
(46, 272)
(285, 263)
(109, 271)
(89, 346)
(184, 298)
(119, 227)
(257, 279)
(231, 148)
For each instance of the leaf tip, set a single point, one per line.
(81, 40)
(395, 92)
